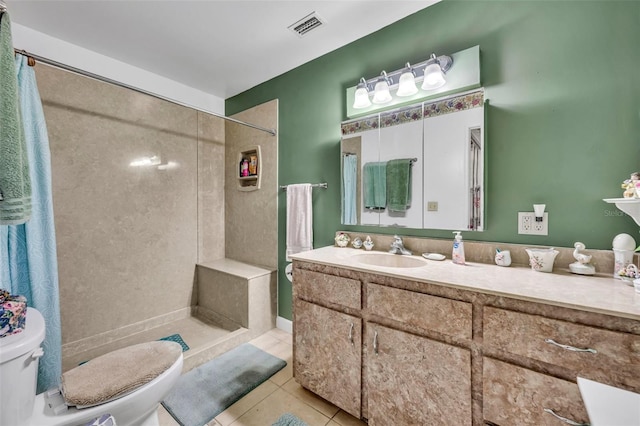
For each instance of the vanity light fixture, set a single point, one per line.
(381, 94)
(431, 72)
(361, 97)
(407, 82)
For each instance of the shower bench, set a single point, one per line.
(237, 294)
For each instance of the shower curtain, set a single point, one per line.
(28, 262)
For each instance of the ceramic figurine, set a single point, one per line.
(356, 243)
(631, 186)
(582, 266)
(503, 257)
(629, 273)
(368, 244)
(342, 239)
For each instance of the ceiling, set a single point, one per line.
(219, 47)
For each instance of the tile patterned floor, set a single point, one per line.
(278, 395)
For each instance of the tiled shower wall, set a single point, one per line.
(251, 228)
(128, 238)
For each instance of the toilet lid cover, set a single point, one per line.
(118, 373)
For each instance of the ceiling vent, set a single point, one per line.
(306, 24)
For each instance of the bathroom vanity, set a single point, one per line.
(465, 345)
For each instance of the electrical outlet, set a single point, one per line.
(527, 224)
(432, 206)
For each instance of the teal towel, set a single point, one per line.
(15, 184)
(374, 185)
(399, 185)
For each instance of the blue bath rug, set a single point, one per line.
(178, 339)
(288, 419)
(206, 391)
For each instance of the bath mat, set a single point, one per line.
(206, 391)
(178, 339)
(288, 419)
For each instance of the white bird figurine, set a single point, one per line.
(582, 258)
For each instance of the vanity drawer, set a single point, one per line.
(514, 395)
(446, 316)
(322, 288)
(603, 355)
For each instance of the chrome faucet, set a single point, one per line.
(397, 246)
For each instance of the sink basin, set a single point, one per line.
(389, 260)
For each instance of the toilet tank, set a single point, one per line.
(19, 354)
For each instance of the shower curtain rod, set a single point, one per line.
(75, 70)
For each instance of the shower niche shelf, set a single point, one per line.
(249, 175)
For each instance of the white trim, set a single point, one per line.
(284, 324)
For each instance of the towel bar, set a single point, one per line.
(313, 185)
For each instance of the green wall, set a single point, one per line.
(563, 80)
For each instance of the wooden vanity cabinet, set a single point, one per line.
(436, 355)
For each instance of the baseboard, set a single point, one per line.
(284, 324)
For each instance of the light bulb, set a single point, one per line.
(361, 98)
(382, 95)
(433, 77)
(407, 84)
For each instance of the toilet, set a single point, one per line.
(20, 406)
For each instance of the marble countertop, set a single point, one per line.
(600, 293)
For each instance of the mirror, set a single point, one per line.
(420, 166)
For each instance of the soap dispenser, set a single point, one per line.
(458, 249)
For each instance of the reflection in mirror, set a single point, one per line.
(475, 183)
(421, 166)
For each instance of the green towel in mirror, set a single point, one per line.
(399, 185)
(374, 185)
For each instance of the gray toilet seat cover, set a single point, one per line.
(118, 373)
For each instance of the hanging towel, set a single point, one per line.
(15, 184)
(349, 187)
(374, 185)
(399, 185)
(299, 219)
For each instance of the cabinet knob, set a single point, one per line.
(570, 348)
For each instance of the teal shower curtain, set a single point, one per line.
(28, 261)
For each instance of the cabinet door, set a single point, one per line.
(412, 380)
(328, 354)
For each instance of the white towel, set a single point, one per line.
(299, 219)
